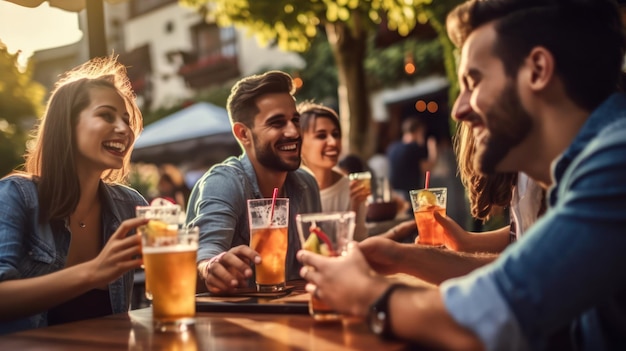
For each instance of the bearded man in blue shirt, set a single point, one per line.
(266, 124)
(538, 88)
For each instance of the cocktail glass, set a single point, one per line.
(327, 234)
(269, 224)
(164, 221)
(171, 270)
(425, 203)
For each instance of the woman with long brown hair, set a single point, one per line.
(64, 250)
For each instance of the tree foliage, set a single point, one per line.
(20, 104)
(293, 24)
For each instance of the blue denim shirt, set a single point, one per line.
(30, 249)
(567, 271)
(218, 205)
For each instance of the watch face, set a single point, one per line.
(377, 322)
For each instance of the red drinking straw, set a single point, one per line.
(427, 180)
(274, 194)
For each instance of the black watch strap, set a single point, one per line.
(378, 319)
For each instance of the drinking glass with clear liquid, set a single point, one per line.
(327, 234)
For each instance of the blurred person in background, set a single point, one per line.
(64, 250)
(171, 185)
(410, 157)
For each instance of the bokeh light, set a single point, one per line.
(432, 107)
(297, 81)
(420, 105)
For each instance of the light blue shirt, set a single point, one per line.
(567, 271)
(218, 205)
(30, 249)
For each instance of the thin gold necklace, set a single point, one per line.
(82, 224)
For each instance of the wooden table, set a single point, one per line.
(213, 331)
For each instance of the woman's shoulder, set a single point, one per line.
(121, 192)
(22, 182)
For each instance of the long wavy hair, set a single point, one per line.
(485, 192)
(50, 156)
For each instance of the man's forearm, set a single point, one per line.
(436, 265)
(419, 314)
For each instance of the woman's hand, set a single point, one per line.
(456, 238)
(358, 194)
(119, 255)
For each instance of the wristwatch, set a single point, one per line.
(378, 316)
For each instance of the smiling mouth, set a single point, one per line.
(115, 146)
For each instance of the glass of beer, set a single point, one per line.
(364, 177)
(327, 234)
(171, 270)
(269, 223)
(165, 219)
(425, 203)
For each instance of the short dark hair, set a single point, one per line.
(310, 111)
(241, 103)
(411, 124)
(586, 38)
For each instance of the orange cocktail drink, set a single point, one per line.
(170, 263)
(269, 228)
(425, 203)
(327, 234)
(271, 244)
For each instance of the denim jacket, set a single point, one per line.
(218, 205)
(30, 249)
(566, 273)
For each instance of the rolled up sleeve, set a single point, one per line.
(475, 303)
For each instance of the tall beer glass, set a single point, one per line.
(165, 220)
(171, 270)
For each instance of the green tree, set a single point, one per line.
(20, 104)
(292, 24)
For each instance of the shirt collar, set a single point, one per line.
(613, 108)
(292, 184)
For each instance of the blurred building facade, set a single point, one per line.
(171, 51)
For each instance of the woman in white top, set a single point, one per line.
(321, 148)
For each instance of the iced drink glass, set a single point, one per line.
(164, 221)
(171, 270)
(268, 237)
(425, 203)
(327, 234)
(364, 177)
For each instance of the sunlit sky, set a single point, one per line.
(31, 29)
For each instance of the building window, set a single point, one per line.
(214, 58)
(213, 41)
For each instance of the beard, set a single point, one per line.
(508, 125)
(267, 157)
